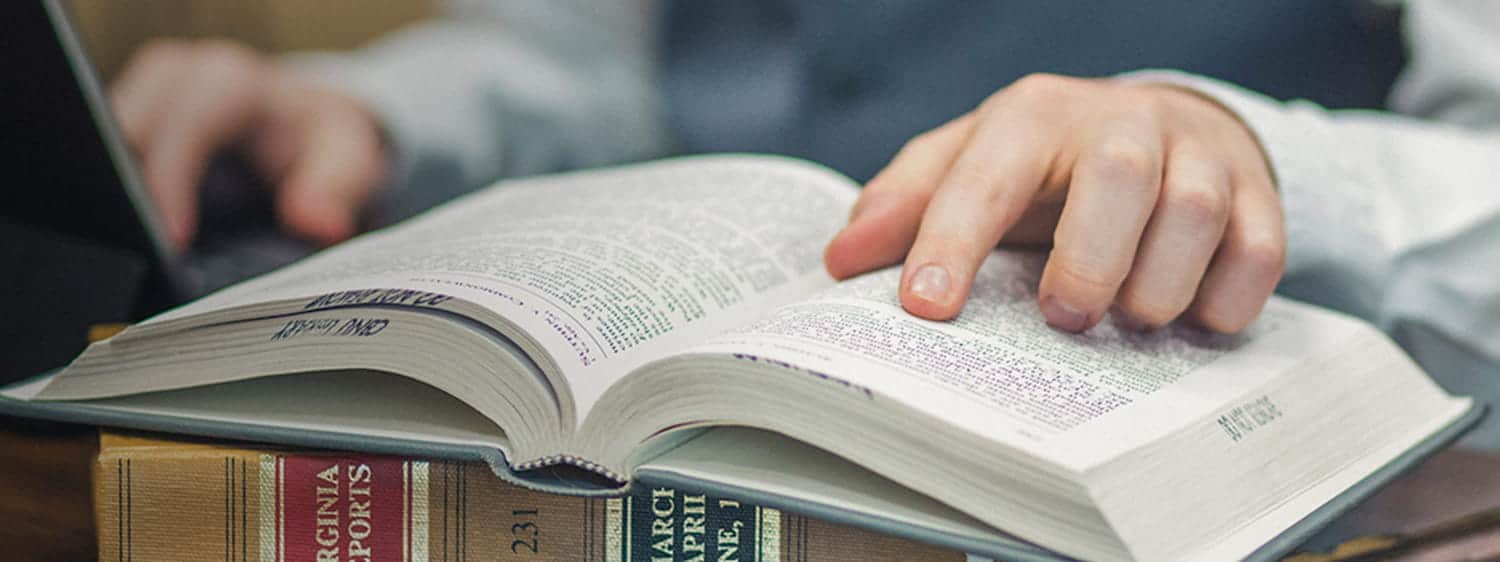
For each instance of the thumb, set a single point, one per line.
(340, 163)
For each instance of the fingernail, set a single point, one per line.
(930, 283)
(1062, 316)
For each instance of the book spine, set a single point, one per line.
(245, 505)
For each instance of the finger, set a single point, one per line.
(1184, 230)
(987, 189)
(884, 221)
(1112, 191)
(138, 95)
(1034, 229)
(217, 101)
(340, 163)
(1249, 262)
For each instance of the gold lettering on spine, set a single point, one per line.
(326, 529)
(768, 534)
(360, 527)
(419, 471)
(663, 505)
(266, 489)
(614, 526)
(694, 526)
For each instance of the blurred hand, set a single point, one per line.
(179, 103)
(1154, 200)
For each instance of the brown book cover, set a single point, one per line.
(163, 499)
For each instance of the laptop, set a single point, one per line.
(80, 243)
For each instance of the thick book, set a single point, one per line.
(160, 498)
(671, 322)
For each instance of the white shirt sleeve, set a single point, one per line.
(1393, 217)
(498, 89)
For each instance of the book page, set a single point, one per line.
(604, 269)
(998, 370)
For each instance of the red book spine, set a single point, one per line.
(345, 508)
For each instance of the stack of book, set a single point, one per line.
(159, 498)
(661, 342)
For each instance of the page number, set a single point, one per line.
(525, 532)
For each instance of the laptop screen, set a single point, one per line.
(80, 243)
(64, 166)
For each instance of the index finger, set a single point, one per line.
(884, 221)
(989, 187)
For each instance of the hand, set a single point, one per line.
(1154, 200)
(179, 103)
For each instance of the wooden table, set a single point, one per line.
(46, 511)
(46, 508)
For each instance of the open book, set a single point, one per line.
(602, 319)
